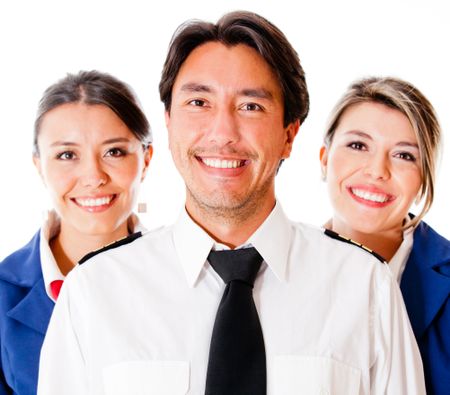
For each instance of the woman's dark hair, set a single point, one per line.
(94, 87)
(242, 27)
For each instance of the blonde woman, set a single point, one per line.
(379, 157)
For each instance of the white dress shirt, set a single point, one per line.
(49, 229)
(138, 319)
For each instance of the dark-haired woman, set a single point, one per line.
(92, 148)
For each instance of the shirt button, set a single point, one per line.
(324, 391)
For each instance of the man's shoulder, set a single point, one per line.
(342, 261)
(346, 240)
(129, 245)
(331, 243)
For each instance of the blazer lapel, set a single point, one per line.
(23, 269)
(35, 309)
(425, 287)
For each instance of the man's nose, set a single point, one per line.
(224, 129)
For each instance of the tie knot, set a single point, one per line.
(242, 264)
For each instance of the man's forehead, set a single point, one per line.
(239, 67)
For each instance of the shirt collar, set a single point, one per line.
(398, 261)
(50, 269)
(192, 245)
(135, 224)
(272, 240)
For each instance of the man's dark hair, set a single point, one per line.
(95, 87)
(242, 27)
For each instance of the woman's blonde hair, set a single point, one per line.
(406, 98)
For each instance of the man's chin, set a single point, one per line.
(221, 205)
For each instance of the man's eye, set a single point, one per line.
(251, 107)
(197, 103)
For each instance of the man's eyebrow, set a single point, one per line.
(259, 93)
(195, 87)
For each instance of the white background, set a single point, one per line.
(338, 41)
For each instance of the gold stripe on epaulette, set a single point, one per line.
(344, 239)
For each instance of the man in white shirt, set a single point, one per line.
(139, 319)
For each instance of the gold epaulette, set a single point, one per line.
(114, 244)
(337, 236)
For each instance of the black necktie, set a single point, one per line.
(237, 358)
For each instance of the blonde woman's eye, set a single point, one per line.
(406, 156)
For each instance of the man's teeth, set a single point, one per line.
(94, 202)
(373, 197)
(223, 163)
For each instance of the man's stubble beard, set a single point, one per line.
(232, 210)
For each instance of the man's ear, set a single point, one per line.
(323, 156)
(167, 118)
(148, 153)
(290, 131)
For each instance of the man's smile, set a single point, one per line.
(218, 163)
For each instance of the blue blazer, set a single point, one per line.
(25, 311)
(425, 287)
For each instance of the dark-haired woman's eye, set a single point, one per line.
(115, 152)
(66, 155)
(357, 145)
